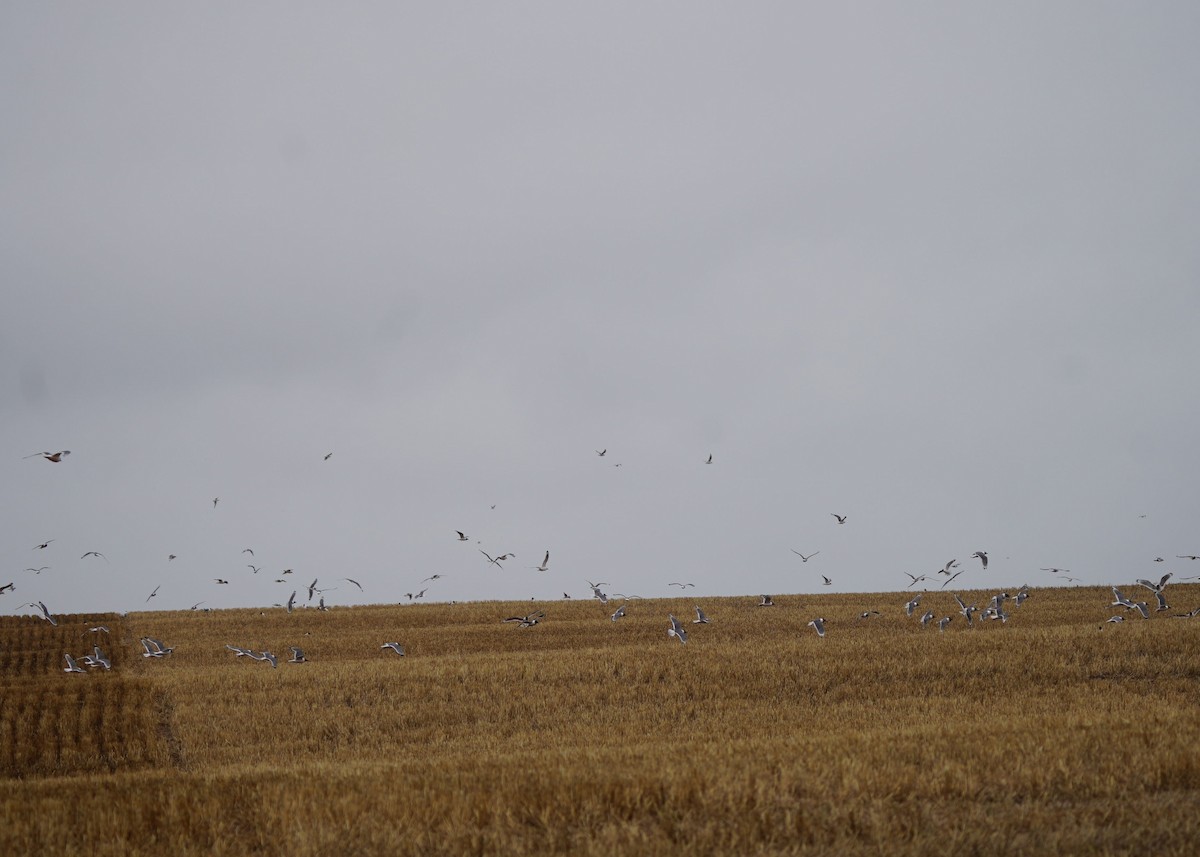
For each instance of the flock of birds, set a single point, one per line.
(997, 609)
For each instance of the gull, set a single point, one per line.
(767, 601)
(566, 595)
(620, 614)
(1157, 587)
(494, 560)
(828, 582)
(248, 550)
(623, 595)
(42, 546)
(395, 647)
(943, 622)
(46, 614)
(56, 457)
(950, 579)
(99, 629)
(1120, 600)
(255, 568)
(461, 536)
(239, 652)
(219, 580)
(681, 585)
(39, 570)
(602, 596)
(1141, 608)
(596, 585)
(101, 659)
(1159, 559)
(286, 571)
(71, 666)
(700, 619)
(215, 501)
(912, 605)
(321, 604)
(915, 578)
(818, 625)
(1021, 596)
(676, 630)
(802, 556)
(291, 601)
(170, 557)
(982, 557)
(1191, 614)
(420, 594)
(197, 604)
(312, 587)
(965, 610)
(328, 456)
(152, 594)
(841, 519)
(297, 655)
(526, 621)
(1054, 570)
(431, 577)
(359, 585)
(1186, 556)
(867, 614)
(925, 618)
(1112, 619)
(545, 566)
(94, 553)
(1162, 602)
(709, 459)
(270, 658)
(602, 452)
(8, 587)
(155, 648)
(951, 564)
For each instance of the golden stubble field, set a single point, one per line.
(585, 736)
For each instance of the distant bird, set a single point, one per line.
(951, 564)
(828, 582)
(356, 583)
(681, 585)
(98, 629)
(170, 557)
(291, 601)
(950, 579)
(867, 614)
(1054, 570)
(526, 621)
(1186, 556)
(43, 545)
(39, 570)
(841, 519)
(1159, 559)
(431, 577)
(802, 556)
(965, 610)
(596, 585)
(420, 594)
(602, 452)
(709, 459)
(915, 578)
(818, 625)
(219, 580)
(286, 571)
(676, 630)
(494, 560)
(1112, 619)
(197, 604)
(943, 622)
(461, 536)
(700, 619)
(8, 587)
(328, 456)
(155, 592)
(255, 568)
(215, 501)
(56, 457)
(1157, 587)
(297, 655)
(71, 666)
(982, 557)
(566, 595)
(545, 566)
(312, 588)
(248, 550)
(395, 647)
(767, 601)
(620, 614)
(912, 605)
(94, 553)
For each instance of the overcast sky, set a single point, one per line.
(932, 266)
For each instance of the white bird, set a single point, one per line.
(912, 605)
(965, 610)
(291, 601)
(461, 536)
(676, 630)
(915, 578)
(545, 566)
(700, 619)
(841, 519)
(620, 614)
(101, 659)
(951, 564)
(1162, 602)
(270, 658)
(767, 601)
(818, 625)
(802, 556)
(297, 655)
(867, 614)
(943, 622)
(155, 648)
(681, 585)
(926, 618)
(950, 579)
(1140, 606)
(239, 652)
(1113, 619)
(46, 614)
(526, 621)
(1120, 600)
(71, 666)
(828, 582)
(395, 647)
(1156, 587)
(982, 557)
(56, 457)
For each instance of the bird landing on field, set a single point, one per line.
(700, 619)
(767, 601)
(818, 625)
(676, 630)
(71, 666)
(527, 621)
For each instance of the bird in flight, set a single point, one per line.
(56, 457)
(841, 519)
(255, 568)
(39, 570)
(431, 577)
(1186, 556)
(818, 625)
(867, 614)
(248, 550)
(545, 566)
(395, 647)
(700, 619)
(681, 585)
(709, 459)
(42, 546)
(620, 614)
(767, 601)
(802, 556)
(328, 456)
(170, 557)
(526, 621)
(8, 587)
(496, 560)
(219, 580)
(982, 557)
(951, 564)
(1054, 570)
(94, 553)
(950, 579)
(461, 536)
(152, 594)
(355, 582)
(602, 452)
(915, 578)
(676, 630)
(291, 601)
(828, 582)
(215, 500)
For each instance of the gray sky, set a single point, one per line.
(930, 266)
